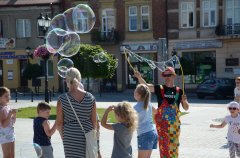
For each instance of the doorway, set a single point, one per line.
(23, 79)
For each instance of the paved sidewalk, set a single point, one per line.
(197, 140)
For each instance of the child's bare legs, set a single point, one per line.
(234, 149)
(99, 155)
(8, 150)
(144, 153)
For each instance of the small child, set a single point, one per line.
(233, 134)
(123, 130)
(7, 120)
(147, 135)
(237, 90)
(42, 130)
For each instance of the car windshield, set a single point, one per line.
(209, 82)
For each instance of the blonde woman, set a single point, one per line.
(85, 106)
(126, 124)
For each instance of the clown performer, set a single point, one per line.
(167, 117)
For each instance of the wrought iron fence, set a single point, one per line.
(223, 30)
(110, 36)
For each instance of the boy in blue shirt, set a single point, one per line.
(43, 131)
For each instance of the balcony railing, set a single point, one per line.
(225, 30)
(110, 37)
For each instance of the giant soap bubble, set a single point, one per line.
(56, 40)
(71, 44)
(65, 43)
(80, 19)
(59, 21)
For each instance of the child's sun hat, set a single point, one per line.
(233, 104)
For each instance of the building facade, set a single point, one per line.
(206, 33)
(134, 24)
(18, 39)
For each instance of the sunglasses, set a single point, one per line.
(167, 75)
(232, 108)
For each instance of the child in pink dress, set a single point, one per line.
(7, 120)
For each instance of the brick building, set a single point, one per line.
(18, 31)
(207, 34)
(136, 24)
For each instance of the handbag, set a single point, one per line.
(91, 138)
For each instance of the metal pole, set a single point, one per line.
(63, 85)
(50, 96)
(46, 81)
(16, 96)
(32, 96)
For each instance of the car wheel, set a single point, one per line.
(200, 96)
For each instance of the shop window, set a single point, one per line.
(187, 14)
(143, 68)
(23, 28)
(50, 67)
(198, 66)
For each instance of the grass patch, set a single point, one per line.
(31, 112)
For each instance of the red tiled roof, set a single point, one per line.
(26, 2)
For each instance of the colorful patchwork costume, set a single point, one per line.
(168, 125)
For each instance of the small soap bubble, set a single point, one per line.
(96, 58)
(102, 57)
(32, 150)
(63, 65)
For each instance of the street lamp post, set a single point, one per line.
(28, 52)
(43, 25)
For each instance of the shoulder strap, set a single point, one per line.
(162, 91)
(75, 114)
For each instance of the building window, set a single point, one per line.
(187, 14)
(232, 12)
(209, 12)
(23, 28)
(50, 67)
(144, 18)
(198, 66)
(82, 21)
(133, 18)
(142, 67)
(108, 21)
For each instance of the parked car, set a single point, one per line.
(218, 87)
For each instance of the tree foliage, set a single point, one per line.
(83, 61)
(32, 71)
(187, 66)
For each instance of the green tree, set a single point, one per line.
(83, 61)
(32, 71)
